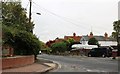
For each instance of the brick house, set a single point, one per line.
(7, 50)
(50, 42)
(103, 40)
(76, 38)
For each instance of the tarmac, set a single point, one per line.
(39, 67)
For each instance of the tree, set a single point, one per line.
(43, 45)
(14, 15)
(23, 42)
(7, 35)
(59, 47)
(116, 28)
(26, 44)
(93, 41)
(69, 43)
(17, 30)
(114, 35)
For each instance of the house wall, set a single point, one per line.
(108, 43)
(105, 43)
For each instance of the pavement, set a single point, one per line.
(40, 66)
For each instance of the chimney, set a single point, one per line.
(91, 35)
(74, 34)
(106, 35)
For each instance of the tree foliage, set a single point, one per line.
(14, 15)
(27, 42)
(59, 47)
(116, 25)
(62, 46)
(23, 42)
(93, 41)
(17, 30)
(116, 28)
(69, 43)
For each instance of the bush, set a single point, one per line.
(69, 43)
(93, 41)
(23, 42)
(26, 43)
(59, 47)
(17, 31)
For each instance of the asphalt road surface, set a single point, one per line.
(83, 65)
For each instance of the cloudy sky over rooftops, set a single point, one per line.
(64, 17)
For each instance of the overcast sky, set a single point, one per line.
(64, 17)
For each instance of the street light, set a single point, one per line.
(31, 14)
(38, 13)
(119, 43)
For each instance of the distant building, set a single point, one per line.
(103, 40)
(50, 42)
(59, 40)
(76, 38)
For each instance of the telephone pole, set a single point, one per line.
(30, 15)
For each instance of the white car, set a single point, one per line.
(40, 52)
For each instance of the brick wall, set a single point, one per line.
(18, 61)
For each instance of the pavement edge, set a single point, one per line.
(50, 68)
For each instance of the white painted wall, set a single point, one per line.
(107, 43)
(104, 43)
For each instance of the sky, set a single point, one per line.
(61, 18)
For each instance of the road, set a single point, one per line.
(82, 64)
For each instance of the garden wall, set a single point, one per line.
(12, 62)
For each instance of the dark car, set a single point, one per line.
(100, 52)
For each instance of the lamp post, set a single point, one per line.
(31, 14)
(119, 43)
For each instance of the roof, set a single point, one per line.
(76, 38)
(99, 38)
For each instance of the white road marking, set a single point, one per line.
(89, 70)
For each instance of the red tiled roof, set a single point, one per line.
(76, 38)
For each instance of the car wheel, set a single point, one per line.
(89, 55)
(104, 55)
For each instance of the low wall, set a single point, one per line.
(17, 61)
(80, 52)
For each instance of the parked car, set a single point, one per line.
(40, 52)
(100, 52)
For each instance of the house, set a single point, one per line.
(59, 40)
(50, 42)
(83, 49)
(7, 50)
(76, 38)
(102, 40)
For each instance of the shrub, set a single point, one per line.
(59, 47)
(23, 42)
(93, 41)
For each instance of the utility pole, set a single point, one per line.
(30, 15)
(118, 28)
